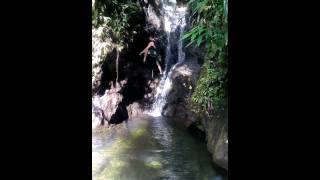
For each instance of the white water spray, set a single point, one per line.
(174, 24)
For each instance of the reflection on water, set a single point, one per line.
(150, 148)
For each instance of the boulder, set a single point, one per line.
(134, 110)
(184, 78)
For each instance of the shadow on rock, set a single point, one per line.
(120, 115)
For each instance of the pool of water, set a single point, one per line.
(150, 148)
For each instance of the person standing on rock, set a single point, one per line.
(151, 52)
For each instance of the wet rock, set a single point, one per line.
(195, 53)
(110, 102)
(168, 110)
(120, 115)
(100, 48)
(134, 109)
(152, 11)
(184, 78)
(151, 90)
(153, 15)
(216, 130)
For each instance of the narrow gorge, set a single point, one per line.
(144, 125)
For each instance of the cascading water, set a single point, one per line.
(147, 147)
(175, 22)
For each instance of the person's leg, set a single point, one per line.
(159, 67)
(148, 67)
(145, 57)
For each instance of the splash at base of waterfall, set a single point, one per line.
(163, 90)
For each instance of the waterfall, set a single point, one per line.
(174, 21)
(174, 25)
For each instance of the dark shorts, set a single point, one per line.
(151, 62)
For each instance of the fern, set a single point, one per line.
(209, 28)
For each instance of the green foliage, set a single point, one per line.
(119, 21)
(209, 29)
(118, 16)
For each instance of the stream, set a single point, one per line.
(150, 148)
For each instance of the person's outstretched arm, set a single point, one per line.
(145, 51)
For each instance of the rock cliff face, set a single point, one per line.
(100, 48)
(215, 127)
(184, 80)
(136, 89)
(107, 108)
(114, 102)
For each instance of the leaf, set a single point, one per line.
(199, 41)
(190, 2)
(193, 36)
(185, 36)
(189, 43)
(201, 29)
